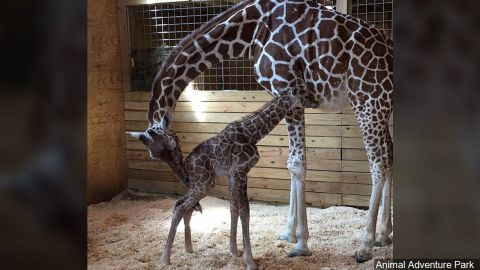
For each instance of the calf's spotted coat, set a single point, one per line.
(231, 153)
(300, 48)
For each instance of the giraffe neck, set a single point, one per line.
(177, 164)
(229, 35)
(260, 123)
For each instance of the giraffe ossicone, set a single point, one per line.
(324, 58)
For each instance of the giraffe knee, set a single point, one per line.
(241, 175)
(389, 173)
(380, 172)
(296, 166)
(183, 205)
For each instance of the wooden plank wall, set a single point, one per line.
(106, 147)
(338, 171)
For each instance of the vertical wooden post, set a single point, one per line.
(124, 43)
(106, 145)
(344, 6)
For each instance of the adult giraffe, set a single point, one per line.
(327, 59)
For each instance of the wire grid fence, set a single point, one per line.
(156, 29)
(378, 12)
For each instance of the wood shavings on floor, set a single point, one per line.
(130, 233)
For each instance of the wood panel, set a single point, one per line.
(312, 130)
(216, 106)
(103, 39)
(354, 154)
(265, 151)
(355, 166)
(106, 154)
(352, 143)
(270, 140)
(356, 178)
(189, 117)
(257, 171)
(356, 189)
(338, 171)
(282, 184)
(259, 194)
(355, 200)
(265, 161)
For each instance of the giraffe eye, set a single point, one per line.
(151, 132)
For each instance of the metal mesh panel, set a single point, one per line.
(154, 30)
(378, 12)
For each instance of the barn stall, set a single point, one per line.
(127, 41)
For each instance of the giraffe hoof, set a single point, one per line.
(287, 238)
(361, 258)
(299, 252)
(165, 260)
(189, 250)
(383, 243)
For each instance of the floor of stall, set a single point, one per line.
(129, 233)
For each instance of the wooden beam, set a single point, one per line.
(124, 43)
(320, 164)
(355, 200)
(342, 6)
(150, 2)
(269, 140)
(312, 130)
(211, 106)
(265, 151)
(259, 194)
(310, 119)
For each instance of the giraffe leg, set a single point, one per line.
(380, 151)
(183, 205)
(234, 220)
(364, 253)
(289, 233)
(386, 222)
(188, 232)
(297, 168)
(301, 247)
(244, 211)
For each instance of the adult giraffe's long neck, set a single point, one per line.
(227, 36)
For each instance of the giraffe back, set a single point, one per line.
(321, 55)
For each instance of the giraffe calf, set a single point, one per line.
(231, 153)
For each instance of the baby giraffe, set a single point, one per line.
(233, 153)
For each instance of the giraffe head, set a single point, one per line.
(162, 144)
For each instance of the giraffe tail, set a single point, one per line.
(198, 207)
